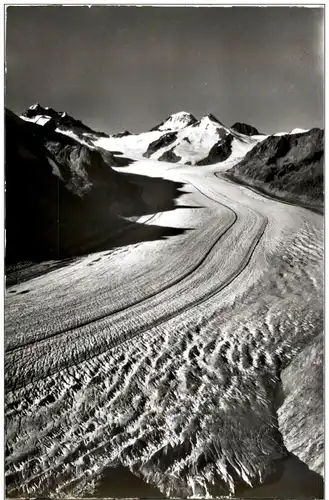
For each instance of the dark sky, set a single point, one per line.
(121, 68)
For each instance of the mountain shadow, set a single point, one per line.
(291, 478)
(63, 198)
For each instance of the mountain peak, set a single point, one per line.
(35, 109)
(38, 110)
(211, 121)
(244, 128)
(176, 121)
(35, 106)
(180, 114)
(57, 120)
(209, 117)
(299, 131)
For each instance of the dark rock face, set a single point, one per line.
(286, 165)
(222, 133)
(244, 128)
(37, 109)
(170, 157)
(122, 134)
(162, 142)
(213, 118)
(219, 152)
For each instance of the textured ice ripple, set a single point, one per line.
(185, 404)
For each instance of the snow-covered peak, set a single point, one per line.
(184, 139)
(209, 122)
(177, 121)
(279, 134)
(294, 131)
(35, 106)
(180, 115)
(37, 110)
(60, 122)
(38, 119)
(299, 131)
(210, 117)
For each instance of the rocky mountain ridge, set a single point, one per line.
(287, 166)
(64, 199)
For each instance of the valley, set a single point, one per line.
(165, 352)
(164, 202)
(169, 341)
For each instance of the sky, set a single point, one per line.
(118, 68)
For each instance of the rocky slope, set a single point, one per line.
(61, 122)
(244, 128)
(59, 193)
(63, 198)
(287, 166)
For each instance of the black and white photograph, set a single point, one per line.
(164, 251)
